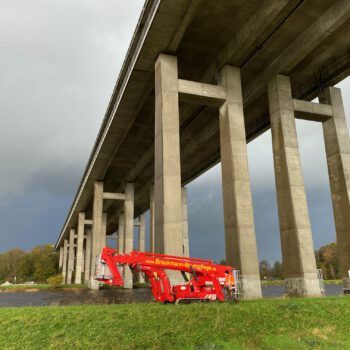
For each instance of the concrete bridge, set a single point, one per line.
(200, 80)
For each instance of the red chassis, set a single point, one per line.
(207, 279)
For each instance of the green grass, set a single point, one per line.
(16, 287)
(322, 323)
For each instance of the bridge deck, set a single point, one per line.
(308, 40)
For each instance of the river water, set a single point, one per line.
(111, 296)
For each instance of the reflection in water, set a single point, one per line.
(112, 296)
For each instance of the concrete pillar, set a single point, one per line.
(337, 144)
(61, 258)
(241, 250)
(185, 240)
(80, 246)
(71, 256)
(299, 263)
(141, 241)
(142, 233)
(87, 256)
(167, 181)
(128, 230)
(103, 239)
(151, 221)
(97, 227)
(121, 233)
(64, 261)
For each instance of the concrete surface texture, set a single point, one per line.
(192, 92)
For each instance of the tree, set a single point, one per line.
(327, 260)
(265, 269)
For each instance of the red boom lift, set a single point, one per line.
(208, 281)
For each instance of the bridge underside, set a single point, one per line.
(306, 40)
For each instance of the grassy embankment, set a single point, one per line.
(322, 323)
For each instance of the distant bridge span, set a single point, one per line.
(201, 78)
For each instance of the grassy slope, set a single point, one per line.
(265, 324)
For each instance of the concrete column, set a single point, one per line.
(71, 257)
(128, 230)
(61, 258)
(167, 181)
(103, 239)
(97, 227)
(64, 260)
(336, 137)
(80, 244)
(121, 233)
(185, 240)
(151, 220)
(87, 256)
(299, 263)
(141, 242)
(142, 233)
(241, 250)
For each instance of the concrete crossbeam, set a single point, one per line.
(312, 111)
(241, 250)
(200, 93)
(80, 245)
(70, 267)
(337, 143)
(114, 196)
(299, 263)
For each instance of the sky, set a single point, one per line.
(59, 61)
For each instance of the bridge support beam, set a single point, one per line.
(240, 238)
(337, 144)
(87, 256)
(71, 256)
(80, 247)
(297, 246)
(64, 260)
(141, 241)
(185, 239)
(128, 230)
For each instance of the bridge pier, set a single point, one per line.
(80, 248)
(185, 238)
(337, 143)
(87, 256)
(299, 263)
(98, 226)
(128, 230)
(71, 256)
(151, 220)
(121, 233)
(240, 240)
(64, 260)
